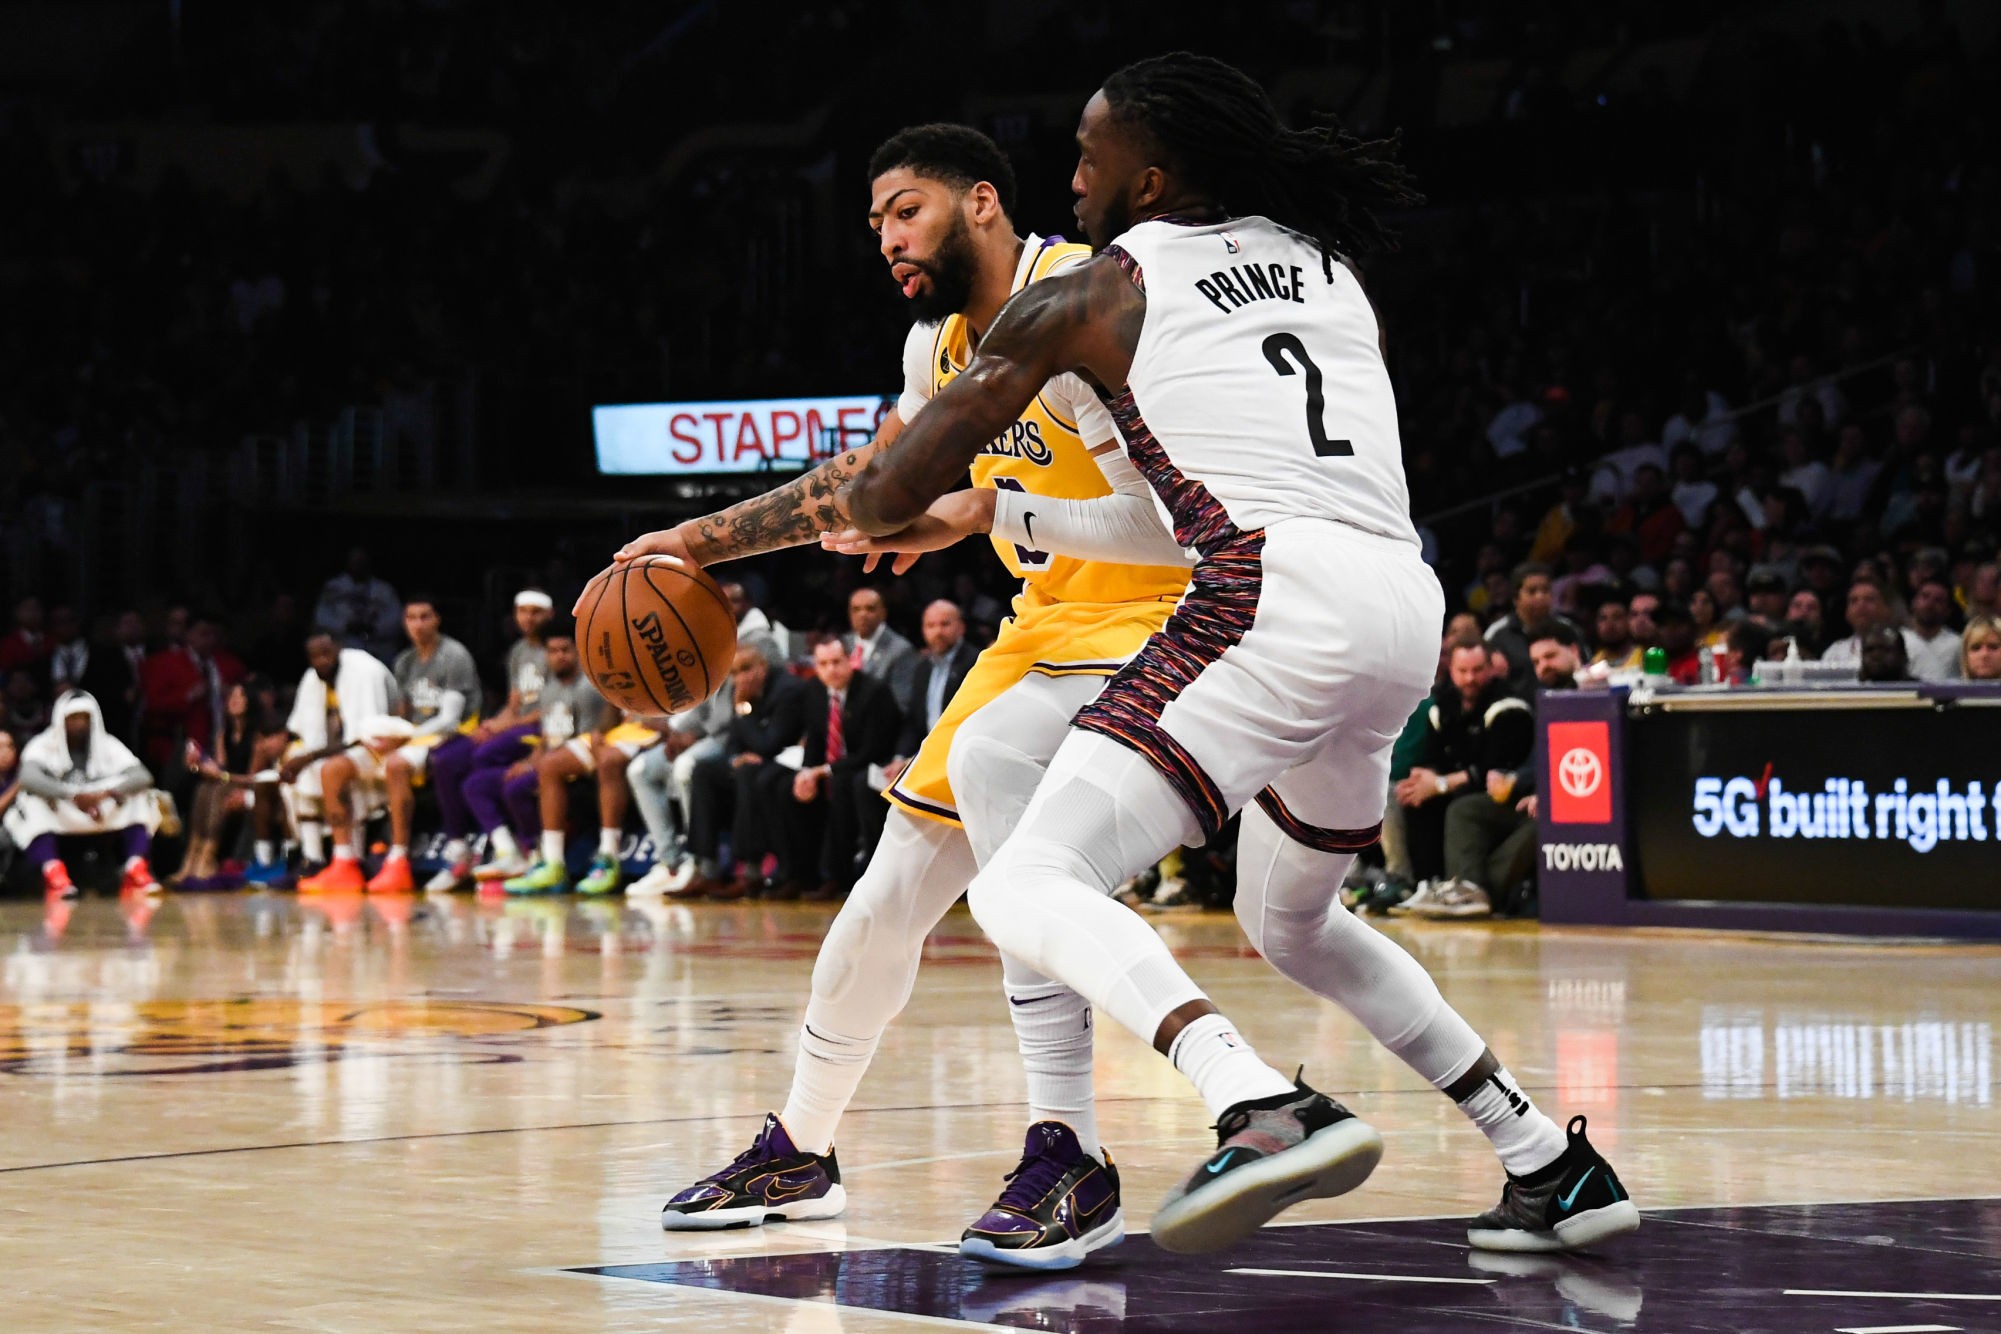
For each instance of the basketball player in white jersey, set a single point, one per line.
(940, 199)
(1243, 365)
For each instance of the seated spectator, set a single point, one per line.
(1677, 631)
(753, 623)
(1983, 591)
(1490, 844)
(607, 755)
(1532, 605)
(251, 741)
(1806, 622)
(1650, 515)
(725, 788)
(1980, 649)
(343, 691)
(1706, 619)
(25, 646)
(69, 652)
(1868, 609)
(76, 778)
(181, 692)
(1935, 656)
(1883, 655)
(943, 665)
(498, 743)
(359, 610)
(1748, 643)
(437, 690)
(1617, 648)
(877, 649)
(1471, 719)
(27, 710)
(1765, 596)
(852, 724)
(506, 803)
(1852, 477)
(1693, 493)
(1641, 609)
(10, 790)
(113, 671)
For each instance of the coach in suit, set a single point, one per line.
(852, 722)
(877, 650)
(941, 670)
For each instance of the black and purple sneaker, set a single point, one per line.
(1059, 1206)
(773, 1178)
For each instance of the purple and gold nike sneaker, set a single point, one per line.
(1059, 1206)
(773, 1178)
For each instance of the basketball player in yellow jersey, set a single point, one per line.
(940, 200)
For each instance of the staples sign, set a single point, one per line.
(1580, 773)
(741, 435)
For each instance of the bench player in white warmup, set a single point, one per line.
(1243, 364)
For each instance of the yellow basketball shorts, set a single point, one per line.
(1044, 638)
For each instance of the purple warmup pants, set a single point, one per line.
(454, 764)
(42, 847)
(496, 800)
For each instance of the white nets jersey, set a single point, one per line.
(1258, 391)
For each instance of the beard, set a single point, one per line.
(951, 271)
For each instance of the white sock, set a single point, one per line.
(609, 841)
(455, 850)
(552, 846)
(312, 841)
(266, 850)
(343, 852)
(1223, 1067)
(824, 1079)
(1526, 1140)
(1052, 1027)
(399, 851)
(501, 841)
(135, 863)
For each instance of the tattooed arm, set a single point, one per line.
(1086, 320)
(787, 516)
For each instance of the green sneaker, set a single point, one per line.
(605, 877)
(541, 878)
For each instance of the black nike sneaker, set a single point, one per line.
(772, 1179)
(1574, 1203)
(1059, 1206)
(1270, 1155)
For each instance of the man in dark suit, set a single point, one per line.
(852, 723)
(731, 786)
(941, 669)
(112, 674)
(876, 649)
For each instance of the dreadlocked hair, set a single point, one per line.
(1217, 128)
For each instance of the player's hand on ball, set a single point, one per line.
(662, 542)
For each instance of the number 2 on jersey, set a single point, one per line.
(1276, 348)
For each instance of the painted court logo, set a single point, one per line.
(257, 1033)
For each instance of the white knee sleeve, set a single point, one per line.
(1287, 904)
(999, 754)
(1043, 897)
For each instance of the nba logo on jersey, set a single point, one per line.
(1232, 244)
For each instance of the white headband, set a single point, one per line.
(531, 598)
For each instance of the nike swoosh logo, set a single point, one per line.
(1221, 1163)
(1567, 1200)
(1032, 1000)
(1028, 525)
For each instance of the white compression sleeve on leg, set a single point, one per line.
(1102, 815)
(1286, 903)
(1052, 1028)
(867, 966)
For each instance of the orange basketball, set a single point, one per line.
(657, 635)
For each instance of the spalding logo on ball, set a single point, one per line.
(657, 633)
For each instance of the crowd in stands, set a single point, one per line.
(1739, 401)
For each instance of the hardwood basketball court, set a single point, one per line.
(256, 1112)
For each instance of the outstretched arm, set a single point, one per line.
(1086, 320)
(786, 516)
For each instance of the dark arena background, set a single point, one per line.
(354, 978)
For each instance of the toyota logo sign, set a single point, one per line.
(1579, 772)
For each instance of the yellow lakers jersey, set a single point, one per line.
(1043, 454)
